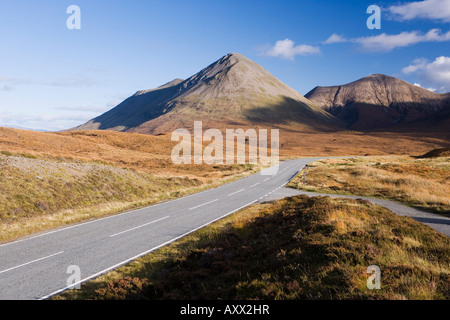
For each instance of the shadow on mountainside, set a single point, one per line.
(290, 112)
(404, 117)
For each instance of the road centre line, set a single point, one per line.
(144, 253)
(107, 218)
(142, 225)
(236, 192)
(30, 262)
(204, 204)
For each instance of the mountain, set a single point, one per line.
(233, 91)
(380, 101)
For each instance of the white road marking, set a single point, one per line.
(254, 185)
(144, 253)
(204, 204)
(142, 225)
(110, 217)
(110, 268)
(22, 265)
(236, 192)
(84, 223)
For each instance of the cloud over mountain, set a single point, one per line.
(234, 90)
(435, 74)
(286, 49)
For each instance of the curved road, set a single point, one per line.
(435, 221)
(39, 266)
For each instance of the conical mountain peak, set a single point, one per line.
(233, 89)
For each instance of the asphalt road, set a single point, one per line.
(435, 221)
(39, 266)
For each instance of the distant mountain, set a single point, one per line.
(381, 102)
(22, 128)
(232, 91)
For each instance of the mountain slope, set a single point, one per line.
(232, 91)
(378, 101)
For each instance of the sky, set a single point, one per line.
(54, 76)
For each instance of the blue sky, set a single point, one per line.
(54, 78)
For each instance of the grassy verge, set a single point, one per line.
(38, 194)
(296, 248)
(422, 183)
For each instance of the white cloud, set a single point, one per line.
(91, 109)
(385, 42)
(335, 38)
(431, 89)
(13, 82)
(75, 82)
(435, 74)
(287, 49)
(428, 9)
(50, 122)
(72, 81)
(7, 88)
(415, 66)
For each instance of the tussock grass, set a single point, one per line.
(422, 183)
(40, 194)
(296, 248)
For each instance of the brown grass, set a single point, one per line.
(124, 150)
(38, 194)
(32, 198)
(296, 248)
(435, 153)
(152, 153)
(422, 183)
(291, 249)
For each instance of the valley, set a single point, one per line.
(118, 170)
